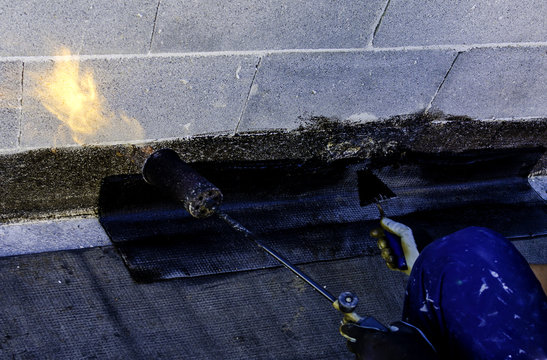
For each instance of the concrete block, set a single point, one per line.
(51, 235)
(259, 25)
(496, 83)
(539, 184)
(9, 128)
(362, 86)
(169, 96)
(100, 27)
(417, 22)
(10, 102)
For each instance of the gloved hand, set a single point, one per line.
(408, 243)
(402, 341)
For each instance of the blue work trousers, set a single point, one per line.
(475, 297)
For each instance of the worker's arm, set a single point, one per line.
(411, 253)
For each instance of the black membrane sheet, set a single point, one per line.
(82, 304)
(310, 211)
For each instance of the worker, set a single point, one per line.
(470, 295)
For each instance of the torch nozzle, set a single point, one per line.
(165, 169)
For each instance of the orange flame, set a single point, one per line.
(71, 95)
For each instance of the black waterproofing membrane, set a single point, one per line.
(82, 304)
(312, 211)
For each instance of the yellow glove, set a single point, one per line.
(408, 245)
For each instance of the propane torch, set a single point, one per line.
(164, 169)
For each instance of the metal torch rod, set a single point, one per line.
(165, 170)
(242, 229)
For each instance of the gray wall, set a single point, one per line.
(183, 68)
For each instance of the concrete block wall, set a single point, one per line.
(183, 68)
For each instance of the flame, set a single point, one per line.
(70, 93)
